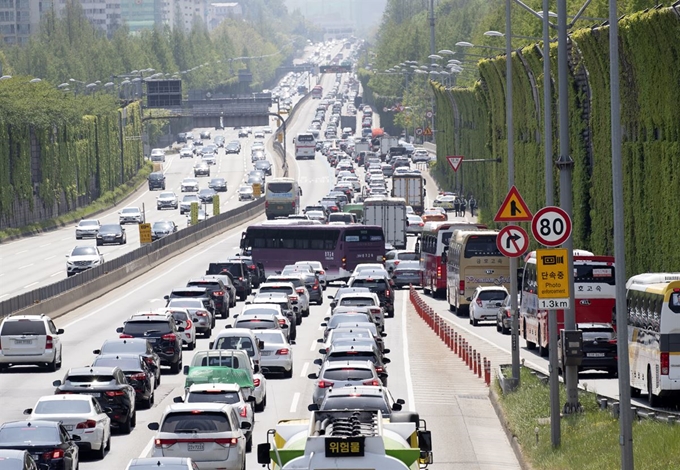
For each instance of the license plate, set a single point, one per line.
(265, 353)
(23, 341)
(68, 427)
(94, 394)
(594, 354)
(279, 207)
(197, 446)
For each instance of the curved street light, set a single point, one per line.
(35, 80)
(464, 44)
(447, 52)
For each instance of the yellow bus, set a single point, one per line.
(473, 260)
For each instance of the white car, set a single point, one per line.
(230, 394)
(30, 340)
(277, 354)
(183, 319)
(82, 258)
(189, 185)
(186, 152)
(420, 155)
(209, 433)
(258, 134)
(367, 267)
(318, 269)
(130, 215)
(87, 228)
(81, 415)
(485, 302)
(157, 155)
(209, 158)
(165, 463)
(356, 184)
(167, 199)
(187, 200)
(245, 192)
(267, 130)
(266, 309)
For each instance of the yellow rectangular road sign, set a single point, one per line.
(144, 234)
(552, 275)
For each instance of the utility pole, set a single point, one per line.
(432, 52)
(566, 164)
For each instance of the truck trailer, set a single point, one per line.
(390, 214)
(411, 187)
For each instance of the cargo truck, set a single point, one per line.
(386, 143)
(410, 187)
(348, 439)
(390, 214)
(348, 121)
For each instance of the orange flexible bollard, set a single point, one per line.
(455, 342)
(474, 361)
(479, 365)
(487, 372)
(466, 352)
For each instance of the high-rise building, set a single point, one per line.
(103, 14)
(219, 11)
(141, 15)
(183, 13)
(21, 18)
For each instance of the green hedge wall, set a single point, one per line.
(473, 124)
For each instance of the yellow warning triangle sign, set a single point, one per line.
(513, 209)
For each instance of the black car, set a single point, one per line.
(378, 286)
(218, 185)
(218, 292)
(48, 442)
(156, 181)
(138, 346)
(200, 293)
(233, 147)
(206, 195)
(265, 166)
(111, 233)
(181, 137)
(137, 373)
(111, 389)
(599, 348)
(163, 334)
(257, 272)
(162, 228)
(240, 274)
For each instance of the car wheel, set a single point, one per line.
(191, 346)
(225, 313)
(99, 243)
(108, 442)
(3, 368)
(320, 301)
(52, 366)
(249, 443)
(206, 334)
(504, 330)
(126, 427)
(242, 297)
(133, 421)
(149, 403)
(175, 367)
(260, 407)
(125, 240)
(288, 374)
(498, 327)
(101, 452)
(59, 361)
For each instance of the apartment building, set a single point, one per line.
(20, 18)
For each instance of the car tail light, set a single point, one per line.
(89, 424)
(375, 383)
(421, 224)
(316, 287)
(396, 263)
(266, 204)
(53, 454)
(375, 311)
(256, 382)
(49, 342)
(140, 376)
(114, 393)
(201, 314)
(149, 360)
(322, 272)
(507, 313)
(324, 384)
(282, 321)
(243, 412)
(461, 288)
(300, 290)
(218, 293)
(252, 266)
(479, 301)
(293, 298)
(379, 370)
(188, 324)
(229, 442)
(283, 352)
(126, 336)
(665, 363)
(164, 443)
(169, 337)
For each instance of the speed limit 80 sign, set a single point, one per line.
(551, 226)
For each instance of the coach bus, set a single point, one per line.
(473, 260)
(317, 92)
(305, 146)
(281, 197)
(339, 248)
(653, 302)
(594, 292)
(433, 242)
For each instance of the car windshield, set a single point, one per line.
(141, 327)
(190, 198)
(217, 181)
(186, 303)
(337, 319)
(356, 402)
(348, 373)
(84, 251)
(357, 302)
(213, 396)
(190, 181)
(53, 407)
(195, 421)
(23, 327)
(242, 343)
(372, 284)
(87, 379)
(280, 187)
(130, 210)
(286, 289)
(125, 363)
(491, 295)
(110, 228)
(255, 324)
(127, 346)
(88, 223)
(35, 435)
(162, 225)
(166, 195)
(271, 337)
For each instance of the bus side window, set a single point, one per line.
(656, 312)
(674, 302)
(646, 313)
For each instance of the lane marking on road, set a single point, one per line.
(67, 238)
(147, 449)
(30, 285)
(26, 266)
(55, 274)
(407, 363)
(50, 257)
(22, 251)
(149, 282)
(315, 345)
(303, 372)
(293, 406)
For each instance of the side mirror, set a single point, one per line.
(317, 362)
(96, 351)
(386, 361)
(180, 329)
(401, 401)
(56, 383)
(383, 335)
(246, 425)
(469, 299)
(425, 440)
(107, 410)
(260, 344)
(153, 426)
(185, 370)
(228, 326)
(28, 411)
(60, 331)
(263, 453)
(211, 345)
(323, 324)
(166, 297)
(119, 329)
(248, 302)
(320, 340)
(322, 351)
(386, 351)
(251, 398)
(313, 407)
(312, 376)
(178, 400)
(256, 369)
(234, 316)
(75, 438)
(330, 297)
(333, 304)
(396, 407)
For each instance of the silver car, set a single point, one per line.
(318, 269)
(167, 199)
(343, 374)
(189, 185)
(277, 354)
(83, 258)
(87, 228)
(185, 205)
(130, 215)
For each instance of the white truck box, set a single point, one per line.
(390, 214)
(410, 187)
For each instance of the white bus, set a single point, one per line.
(305, 146)
(281, 197)
(653, 301)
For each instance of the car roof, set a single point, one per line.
(357, 364)
(66, 397)
(197, 407)
(230, 332)
(159, 462)
(195, 289)
(149, 316)
(31, 423)
(91, 371)
(261, 306)
(371, 390)
(225, 387)
(351, 347)
(491, 288)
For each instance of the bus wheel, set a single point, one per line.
(652, 400)
(635, 392)
(541, 350)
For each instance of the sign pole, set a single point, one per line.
(555, 430)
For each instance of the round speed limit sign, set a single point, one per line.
(551, 226)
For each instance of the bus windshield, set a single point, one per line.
(481, 245)
(282, 187)
(305, 138)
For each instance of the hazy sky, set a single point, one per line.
(365, 15)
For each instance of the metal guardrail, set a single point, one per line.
(45, 293)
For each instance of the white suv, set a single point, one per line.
(30, 340)
(485, 302)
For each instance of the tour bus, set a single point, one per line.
(281, 197)
(433, 242)
(473, 260)
(317, 92)
(339, 248)
(305, 146)
(594, 292)
(653, 301)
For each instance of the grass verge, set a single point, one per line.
(106, 201)
(589, 440)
